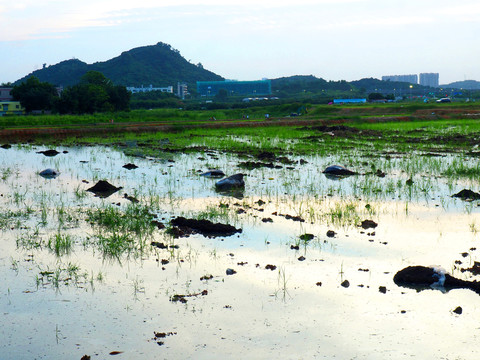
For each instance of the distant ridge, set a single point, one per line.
(159, 65)
(467, 84)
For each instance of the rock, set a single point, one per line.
(475, 269)
(306, 237)
(458, 310)
(49, 173)
(232, 182)
(467, 195)
(130, 166)
(382, 289)
(49, 152)
(131, 198)
(159, 245)
(251, 165)
(301, 258)
(366, 224)
(230, 271)
(331, 233)
(103, 189)
(422, 278)
(6, 146)
(380, 173)
(204, 227)
(409, 182)
(270, 267)
(336, 171)
(345, 284)
(213, 173)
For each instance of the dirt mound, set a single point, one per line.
(204, 227)
(466, 194)
(103, 189)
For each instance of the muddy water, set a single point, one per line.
(299, 310)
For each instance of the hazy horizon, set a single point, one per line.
(244, 40)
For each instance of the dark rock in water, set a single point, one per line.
(230, 271)
(266, 155)
(158, 224)
(159, 245)
(251, 165)
(331, 233)
(49, 152)
(467, 195)
(337, 171)
(213, 173)
(345, 284)
(204, 227)
(232, 182)
(458, 310)
(6, 146)
(49, 173)
(475, 269)
(130, 166)
(131, 198)
(422, 278)
(103, 189)
(306, 237)
(367, 224)
(382, 289)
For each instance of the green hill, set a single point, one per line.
(467, 84)
(159, 65)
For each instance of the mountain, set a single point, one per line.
(467, 84)
(159, 65)
(306, 83)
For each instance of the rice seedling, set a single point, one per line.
(282, 282)
(60, 244)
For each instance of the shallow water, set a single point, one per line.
(117, 303)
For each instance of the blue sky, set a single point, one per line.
(248, 40)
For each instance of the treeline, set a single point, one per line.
(94, 93)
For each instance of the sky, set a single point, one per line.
(251, 39)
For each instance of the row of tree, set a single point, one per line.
(94, 93)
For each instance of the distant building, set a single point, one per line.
(135, 90)
(233, 87)
(349, 101)
(429, 79)
(5, 94)
(412, 79)
(182, 90)
(11, 108)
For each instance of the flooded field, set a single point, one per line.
(306, 273)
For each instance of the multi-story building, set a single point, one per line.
(5, 94)
(182, 90)
(429, 79)
(412, 79)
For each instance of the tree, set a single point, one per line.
(35, 95)
(94, 93)
(222, 95)
(375, 96)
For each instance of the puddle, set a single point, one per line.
(72, 286)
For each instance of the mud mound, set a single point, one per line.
(204, 227)
(466, 194)
(103, 189)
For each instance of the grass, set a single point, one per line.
(60, 244)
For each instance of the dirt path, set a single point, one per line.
(25, 134)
